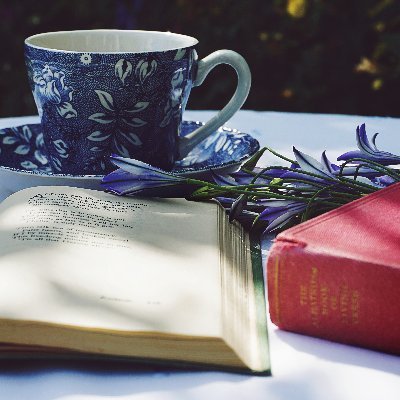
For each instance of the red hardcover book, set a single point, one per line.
(337, 276)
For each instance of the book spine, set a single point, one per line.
(335, 298)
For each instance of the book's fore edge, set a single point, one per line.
(346, 208)
(260, 300)
(254, 263)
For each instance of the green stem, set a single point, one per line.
(373, 165)
(280, 155)
(347, 182)
(306, 212)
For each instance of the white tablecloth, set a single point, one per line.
(302, 367)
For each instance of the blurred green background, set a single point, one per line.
(339, 56)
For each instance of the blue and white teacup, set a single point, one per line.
(102, 92)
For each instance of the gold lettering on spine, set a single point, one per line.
(344, 304)
(324, 294)
(322, 301)
(313, 297)
(355, 307)
(303, 295)
(349, 305)
(334, 303)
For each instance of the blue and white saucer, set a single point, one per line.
(24, 162)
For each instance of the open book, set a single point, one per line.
(87, 273)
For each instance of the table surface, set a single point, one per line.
(302, 367)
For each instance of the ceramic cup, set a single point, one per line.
(102, 92)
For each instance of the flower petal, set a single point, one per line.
(374, 140)
(362, 140)
(327, 164)
(223, 180)
(310, 164)
(140, 168)
(237, 207)
(124, 183)
(281, 215)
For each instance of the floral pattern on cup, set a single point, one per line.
(96, 104)
(123, 69)
(124, 120)
(50, 84)
(145, 69)
(105, 91)
(22, 148)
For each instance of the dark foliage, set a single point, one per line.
(305, 55)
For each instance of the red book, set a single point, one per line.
(337, 276)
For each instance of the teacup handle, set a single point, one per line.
(205, 65)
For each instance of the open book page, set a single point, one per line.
(90, 259)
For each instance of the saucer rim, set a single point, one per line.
(182, 170)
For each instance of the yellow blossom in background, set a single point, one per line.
(377, 84)
(287, 93)
(366, 65)
(379, 26)
(296, 8)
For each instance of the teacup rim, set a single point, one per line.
(193, 41)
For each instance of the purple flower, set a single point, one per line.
(311, 165)
(246, 216)
(223, 180)
(136, 177)
(237, 207)
(275, 197)
(369, 151)
(383, 181)
(279, 213)
(243, 178)
(309, 172)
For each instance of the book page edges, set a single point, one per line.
(260, 301)
(243, 310)
(144, 345)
